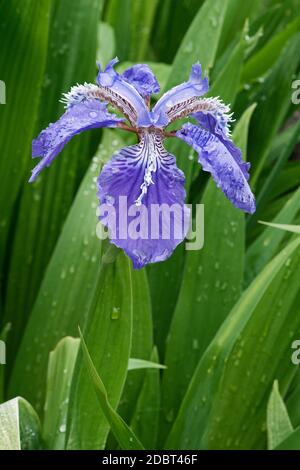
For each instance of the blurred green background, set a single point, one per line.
(192, 353)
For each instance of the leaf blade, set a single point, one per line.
(126, 438)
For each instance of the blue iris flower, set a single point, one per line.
(146, 173)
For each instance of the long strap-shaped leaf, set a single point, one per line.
(292, 442)
(271, 110)
(19, 426)
(44, 205)
(279, 426)
(108, 331)
(23, 39)
(266, 245)
(59, 378)
(124, 435)
(251, 350)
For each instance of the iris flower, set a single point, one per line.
(146, 173)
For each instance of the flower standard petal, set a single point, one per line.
(176, 101)
(143, 79)
(143, 181)
(222, 159)
(85, 114)
(114, 89)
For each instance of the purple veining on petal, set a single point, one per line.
(172, 103)
(79, 117)
(117, 91)
(216, 119)
(143, 177)
(221, 158)
(143, 79)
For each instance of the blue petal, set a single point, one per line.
(218, 125)
(143, 79)
(88, 114)
(222, 159)
(178, 98)
(138, 180)
(123, 95)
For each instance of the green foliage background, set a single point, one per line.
(192, 353)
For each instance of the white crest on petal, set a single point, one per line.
(218, 109)
(79, 93)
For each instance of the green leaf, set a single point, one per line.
(205, 28)
(22, 62)
(142, 13)
(263, 60)
(59, 377)
(62, 302)
(108, 330)
(106, 43)
(19, 426)
(287, 180)
(266, 245)
(292, 442)
(227, 82)
(267, 187)
(142, 344)
(241, 130)
(279, 426)
(236, 368)
(292, 400)
(236, 15)
(211, 285)
(124, 435)
(273, 102)
(146, 416)
(126, 18)
(287, 227)
(142, 364)
(44, 205)
(118, 16)
(30, 433)
(175, 18)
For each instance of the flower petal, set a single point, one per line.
(86, 114)
(114, 89)
(215, 118)
(143, 79)
(174, 103)
(223, 160)
(141, 184)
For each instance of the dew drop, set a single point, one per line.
(115, 314)
(62, 428)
